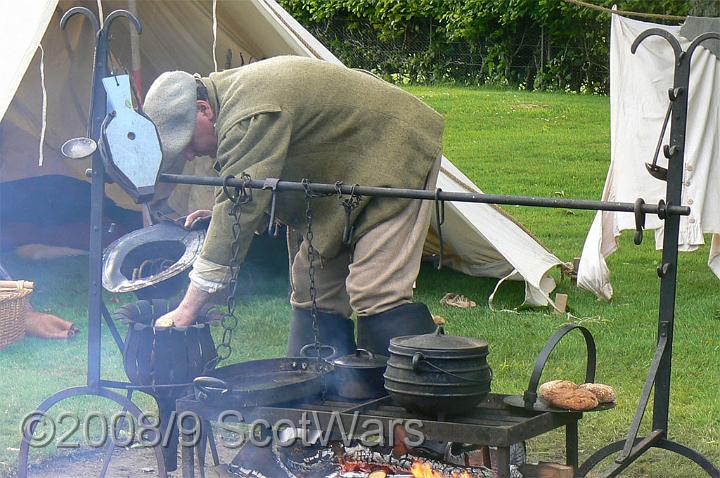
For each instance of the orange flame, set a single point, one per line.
(421, 469)
(461, 474)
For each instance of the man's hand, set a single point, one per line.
(187, 312)
(175, 318)
(194, 216)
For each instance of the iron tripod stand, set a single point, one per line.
(97, 311)
(660, 370)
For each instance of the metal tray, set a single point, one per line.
(541, 405)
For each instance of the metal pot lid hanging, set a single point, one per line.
(168, 241)
(438, 344)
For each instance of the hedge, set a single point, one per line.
(532, 44)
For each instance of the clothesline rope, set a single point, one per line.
(624, 13)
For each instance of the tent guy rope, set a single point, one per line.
(43, 128)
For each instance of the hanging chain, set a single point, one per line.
(241, 195)
(319, 362)
(311, 266)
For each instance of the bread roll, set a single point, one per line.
(604, 393)
(568, 395)
(548, 389)
(578, 399)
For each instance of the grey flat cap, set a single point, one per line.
(171, 104)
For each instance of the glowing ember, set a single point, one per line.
(421, 469)
(362, 462)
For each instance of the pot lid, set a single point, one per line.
(361, 359)
(439, 341)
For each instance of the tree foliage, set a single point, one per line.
(548, 44)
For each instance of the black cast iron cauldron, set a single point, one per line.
(437, 374)
(359, 376)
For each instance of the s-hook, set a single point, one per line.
(440, 220)
(271, 184)
(350, 204)
(639, 221)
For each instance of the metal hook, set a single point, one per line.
(245, 191)
(349, 204)
(306, 186)
(674, 43)
(81, 11)
(122, 13)
(639, 221)
(698, 40)
(227, 192)
(662, 209)
(440, 220)
(271, 183)
(674, 93)
(670, 150)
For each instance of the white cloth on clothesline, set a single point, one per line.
(639, 86)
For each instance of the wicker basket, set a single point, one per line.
(14, 296)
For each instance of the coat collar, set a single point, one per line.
(212, 95)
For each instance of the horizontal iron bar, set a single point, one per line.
(132, 386)
(320, 188)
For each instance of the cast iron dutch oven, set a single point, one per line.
(359, 376)
(438, 374)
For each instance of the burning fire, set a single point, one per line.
(421, 469)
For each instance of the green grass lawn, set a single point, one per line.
(508, 142)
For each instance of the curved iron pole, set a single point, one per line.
(659, 375)
(674, 43)
(80, 11)
(122, 13)
(662, 443)
(698, 40)
(96, 307)
(75, 392)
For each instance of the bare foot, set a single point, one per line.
(48, 326)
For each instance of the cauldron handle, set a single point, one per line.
(530, 395)
(418, 357)
(305, 351)
(210, 388)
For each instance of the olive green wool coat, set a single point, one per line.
(292, 118)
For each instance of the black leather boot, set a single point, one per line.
(335, 330)
(375, 331)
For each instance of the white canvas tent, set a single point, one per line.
(638, 101)
(479, 239)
